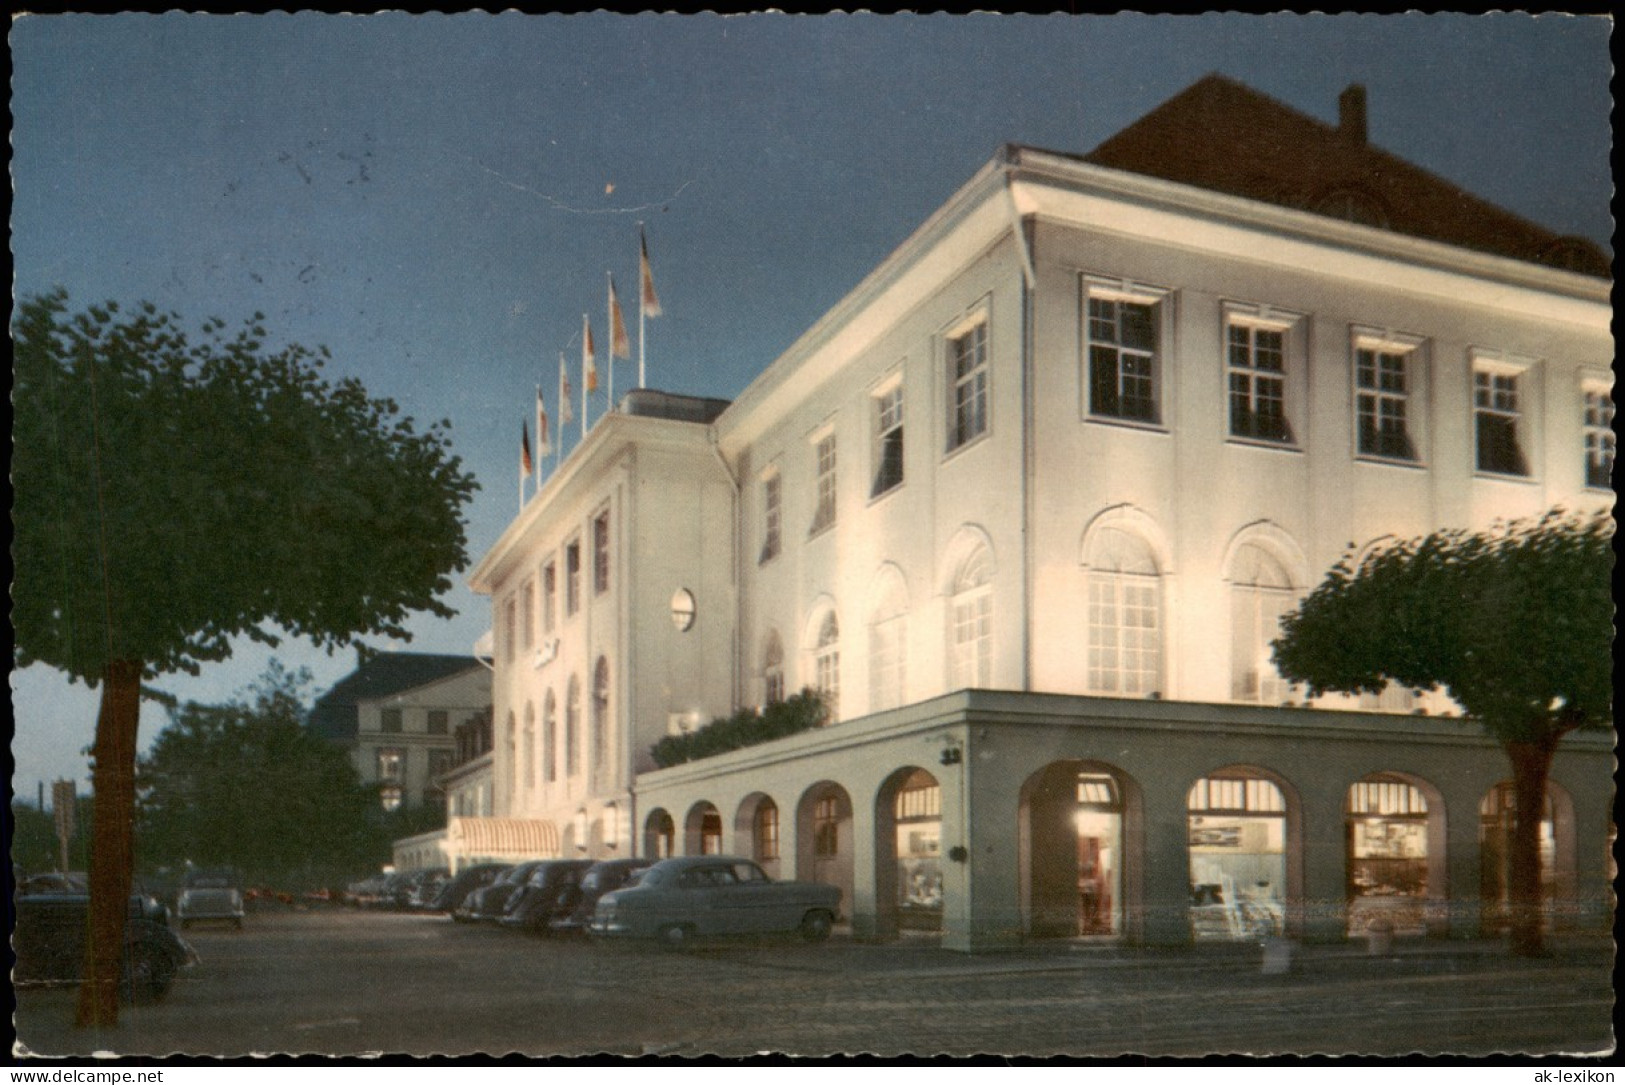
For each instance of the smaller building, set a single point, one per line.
(400, 715)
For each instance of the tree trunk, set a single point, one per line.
(112, 839)
(1531, 763)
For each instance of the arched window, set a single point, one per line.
(511, 744)
(766, 831)
(826, 657)
(1125, 615)
(1261, 593)
(888, 639)
(550, 738)
(527, 749)
(970, 632)
(773, 670)
(600, 715)
(572, 728)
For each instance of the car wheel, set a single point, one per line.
(149, 976)
(675, 936)
(815, 926)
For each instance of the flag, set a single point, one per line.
(651, 303)
(619, 345)
(543, 445)
(525, 464)
(588, 368)
(566, 413)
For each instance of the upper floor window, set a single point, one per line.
(971, 617)
(527, 748)
(391, 763)
(440, 762)
(572, 728)
(600, 715)
(1497, 415)
(510, 628)
(826, 655)
(527, 615)
(773, 670)
(1125, 615)
(439, 721)
(888, 644)
(1256, 372)
(1599, 435)
(572, 577)
(1261, 594)
(390, 721)
(824, 458)
(772, 515)
(550, 738)
(1384, 384)
(967, 384)
(550, 596)
(1122, 333)
(888, 450)
(600, 553)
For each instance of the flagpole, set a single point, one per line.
(563, 410)
(611, 368)
(586, 385)
(642, 304)
(541, 451)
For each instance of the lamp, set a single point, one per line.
(682, 609)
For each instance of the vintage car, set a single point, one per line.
(207, 895)
(551, 890)
(50, 944)
(604, 876)
(677, 900)
(466, 882)
(488, 904)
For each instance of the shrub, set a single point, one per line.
(747, 727)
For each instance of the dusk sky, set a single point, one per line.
(437, 199)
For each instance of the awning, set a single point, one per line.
(498, 838)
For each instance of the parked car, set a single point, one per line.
(488, 903)
(602, 877)
(49, 941)
(210, 895)
(366, 892)
(72, 881)
(551, 889)
(677, 900)
(426, 888)
(466, 881)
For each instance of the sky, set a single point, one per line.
(438, 198)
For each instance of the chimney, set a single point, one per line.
(1351, 114)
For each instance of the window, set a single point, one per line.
(1125, 602)
(440, 762)
(773, 670)
(888, 452)
(824, 512)
(826, 827)
(1496, 415)
(527, 748)
(888, 638)
(600, 715)
(766, 831)
(572, 578)
(1122, 333)
(510, 628)
(550, 596)
(390, 721)
(600, 553)
(967, 384)
(527, 615)
(1261, 593)
(391, 763)
(390, 797)
(971, 615)
(439, 721)
(1599, 435)
(550, 737)
(572, 728)
(827, 664)
(771, 516)
(1255, 365)
(1382, 390)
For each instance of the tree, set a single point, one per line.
(246, 785)
(1516, 624)
(173, 493)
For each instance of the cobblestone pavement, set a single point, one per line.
(347, 983)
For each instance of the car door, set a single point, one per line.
(757, 904)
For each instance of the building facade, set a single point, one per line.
(1026, 508)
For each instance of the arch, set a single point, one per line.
(757, 820)
(1133, 520)
(908, 846)
(772, 668)
(572, 728)
(1081, 851)
(824, 843)
(702, 830)
(966, 541)
(527, 751)
(1244, 849)
(600, 716)
(888, 639)
(1274, 539)
(1395, 862)
(659, 835)
(550, 738)
(1125, 614)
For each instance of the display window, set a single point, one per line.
(1387, 856)
(1099, 821)
(919, 854)
(1237, 839)
(1498, 814)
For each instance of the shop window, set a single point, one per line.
(1099, 821)
(766, 831)
(918, 812)
(711, 833)
(1498, 816)
(826, 827)
(1388, 855)
(1237, 842)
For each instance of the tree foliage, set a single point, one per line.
(1515, 624)
(747, 727)
(172, 493)
(246, 785)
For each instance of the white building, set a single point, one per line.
(1026, 506)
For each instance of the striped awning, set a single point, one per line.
(496, 838)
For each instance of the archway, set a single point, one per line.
(1082, 842)
(908, 847)
(824, 838)
(1497, 815)
(659, 835)
(1395, 854)
(702, 830)
(1245, 843)
(757, 821)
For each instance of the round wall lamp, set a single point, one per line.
(682, 609)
